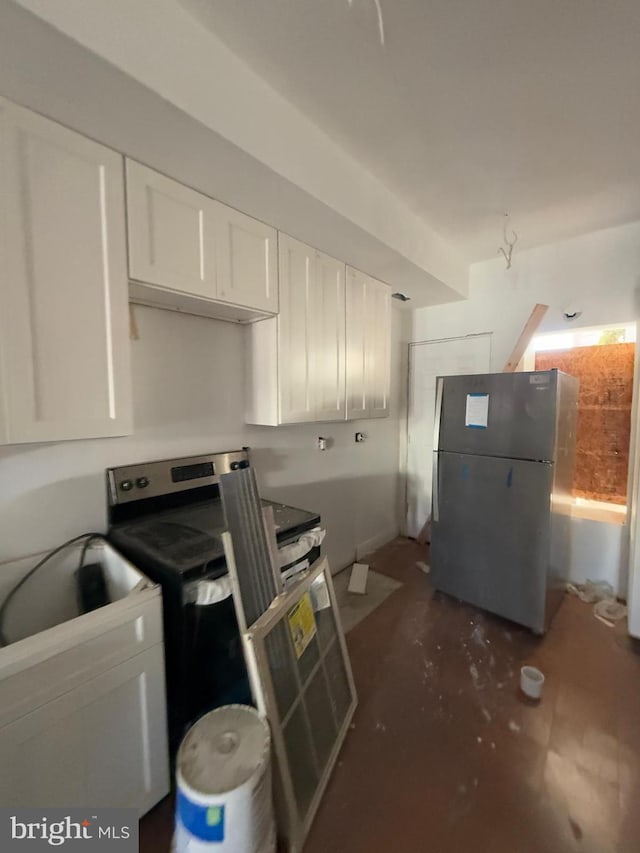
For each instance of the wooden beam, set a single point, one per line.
(529, 330)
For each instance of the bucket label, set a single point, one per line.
(302, 624)
(203, 822)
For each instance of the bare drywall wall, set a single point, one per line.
(188, 386)
(597, 274)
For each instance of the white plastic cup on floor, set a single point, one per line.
(531, 682)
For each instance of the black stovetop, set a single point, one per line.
(186, 542)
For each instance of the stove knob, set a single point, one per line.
(235, 466)
(142, 482)
(126, 485)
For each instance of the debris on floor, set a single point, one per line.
(600, 593)
(591, 591)
(358, 579)
(610, 610)
(423, 567)
(531, 682)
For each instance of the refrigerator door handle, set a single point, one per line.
(435, 509)
(438, 414)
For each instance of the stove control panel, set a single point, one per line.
(153, 479)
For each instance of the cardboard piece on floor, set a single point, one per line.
(358, 579)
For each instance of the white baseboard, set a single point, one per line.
(377, 541)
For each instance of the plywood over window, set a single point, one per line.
(604, 416)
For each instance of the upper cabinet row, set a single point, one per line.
(326, 356)
(82, 231)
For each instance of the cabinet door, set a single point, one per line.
(357, 396)
(297, 282)
(247, 261)
(102, 744)
(64, 332)
(378, 348)
(328, 339)
(172, 233)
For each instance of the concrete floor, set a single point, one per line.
(446, 756)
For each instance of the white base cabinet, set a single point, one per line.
(82, 704)
(64, 328)
(191, 253)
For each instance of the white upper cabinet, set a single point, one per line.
(64, 332)
(247, 261)
(296, 363)
(328, 339)
(292, 363)
(357, 377)
(189, 252)
(378, 348)
(172, 233)
(368, 346)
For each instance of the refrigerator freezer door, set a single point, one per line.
(490, 546)
(520, 415)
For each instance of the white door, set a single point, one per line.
(172, 233)
(378, 348)
(427, 360)
(297, 280)
(64, 329)
(102, 744)
(328, 339)
(247, 261)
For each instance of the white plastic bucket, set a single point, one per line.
(531, 682)
(224, 801)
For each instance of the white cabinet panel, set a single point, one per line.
(172, 233)
(328, 339)
(368, 346)
(357, 327)
(102, 744)
(293, 329)
(64, 343)
(247, 261)
(378, 347)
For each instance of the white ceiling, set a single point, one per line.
(470, 108)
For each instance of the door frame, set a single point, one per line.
(633, 499)
(488, 334)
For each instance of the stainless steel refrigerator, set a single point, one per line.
(502, 478)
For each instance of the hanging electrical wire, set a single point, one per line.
(509, 244)
(380, 19)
